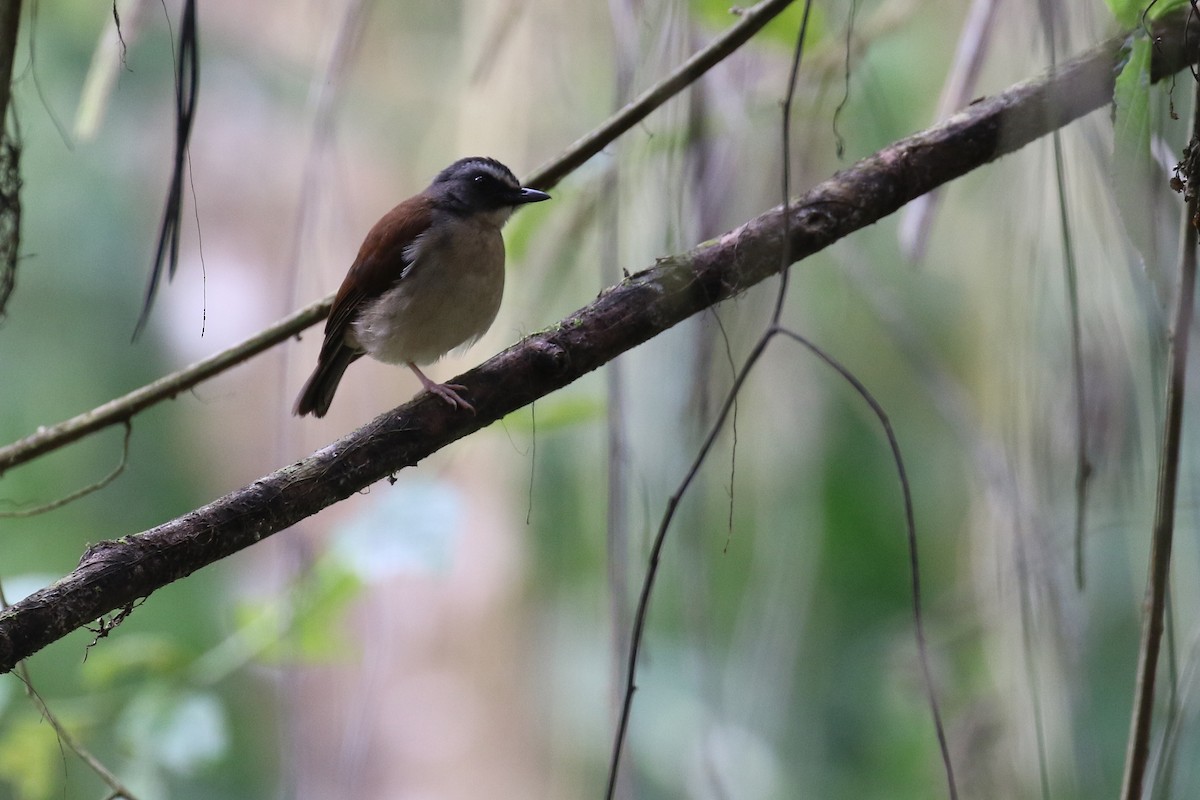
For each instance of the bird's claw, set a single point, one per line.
(450, 393)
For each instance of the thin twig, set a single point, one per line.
(840, 141)
(1180, 713)
(1161, 766)
(64, 736)
(34, 11)
(1049, 13)
(637, 634)
(643, 606)
(785, 174)
(78, 493)
(1168, 480)
(914, 562)
(70, 742)
(752, 21)
(1083, 468)
(733, 427)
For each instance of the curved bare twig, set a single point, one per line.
(113, 474)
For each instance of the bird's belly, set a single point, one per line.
(442, 303)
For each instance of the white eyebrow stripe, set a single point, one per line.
(500, 174)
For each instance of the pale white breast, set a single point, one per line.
(448, 298)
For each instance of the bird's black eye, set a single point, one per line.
(485, 183)
(487, 190)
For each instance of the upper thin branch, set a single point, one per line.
(114, 574)
(752, 21)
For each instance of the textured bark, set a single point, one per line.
(114, 574)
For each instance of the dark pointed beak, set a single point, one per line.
(531, 196)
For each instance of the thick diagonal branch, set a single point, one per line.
(114, 574)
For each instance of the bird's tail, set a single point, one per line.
(318, 390)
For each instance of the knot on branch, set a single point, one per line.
(548, 357)
(108, 552)
(815, 221)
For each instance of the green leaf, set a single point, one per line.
(1132, 168)
(782, 30)
(320, 635)
(132, 656)
(1128, 13)
(556, 413)
(303, 626)
(1164, 7)
(1125, 11)
(29, 758)
(177, 731)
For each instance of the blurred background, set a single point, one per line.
(459, 634)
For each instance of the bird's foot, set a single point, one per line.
(447, 391)
(450, 393)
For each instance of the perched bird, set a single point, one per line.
(428, 278)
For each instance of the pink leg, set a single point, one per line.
(446, 391)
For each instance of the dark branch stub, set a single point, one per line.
(10, 217)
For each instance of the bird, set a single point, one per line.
(428, 278)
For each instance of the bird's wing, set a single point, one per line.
(382, 259)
